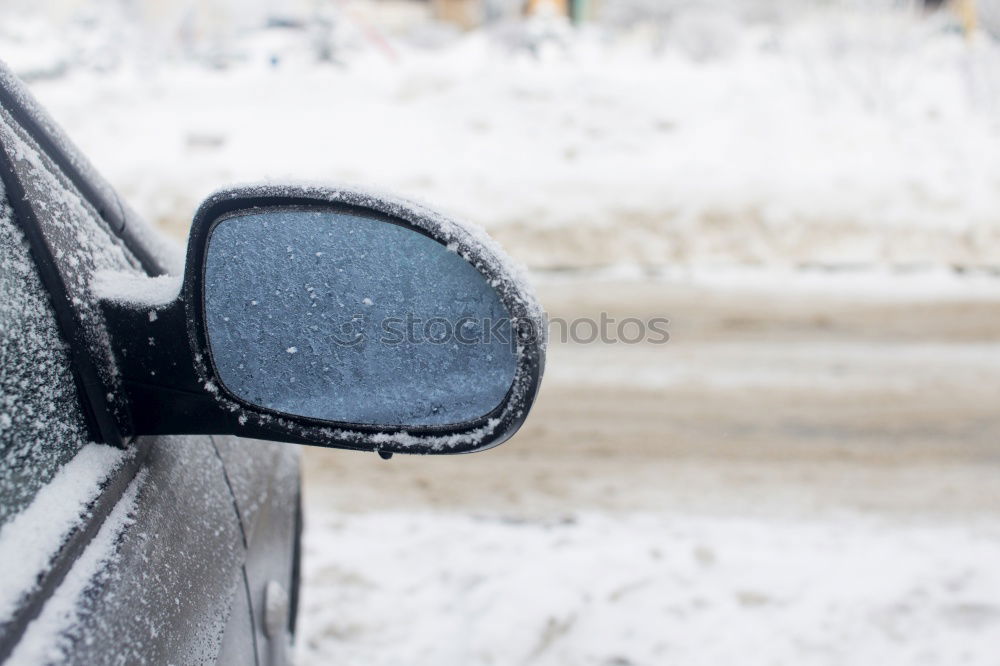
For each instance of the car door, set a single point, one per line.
(124, 555)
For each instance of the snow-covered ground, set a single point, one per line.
(864, 137)
(611, 589)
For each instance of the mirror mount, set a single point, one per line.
(165, 393)
(172, 380)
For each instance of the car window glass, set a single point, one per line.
(41, 423)
(81, 244)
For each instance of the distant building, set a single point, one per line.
(470, 13)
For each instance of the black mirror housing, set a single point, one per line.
(173, 383)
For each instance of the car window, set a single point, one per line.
(41, 422)
(82, 246)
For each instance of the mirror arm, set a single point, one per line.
(164, 393)
(157, 371)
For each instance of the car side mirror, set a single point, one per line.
(334, 317)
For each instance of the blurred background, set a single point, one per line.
(810, 192)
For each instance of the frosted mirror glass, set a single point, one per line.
(342, 317)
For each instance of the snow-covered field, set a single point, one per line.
(805, 474)
(828, 137)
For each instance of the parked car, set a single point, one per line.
(143, 518)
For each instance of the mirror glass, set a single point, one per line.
(342, 317)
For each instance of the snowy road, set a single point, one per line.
(772, 486)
